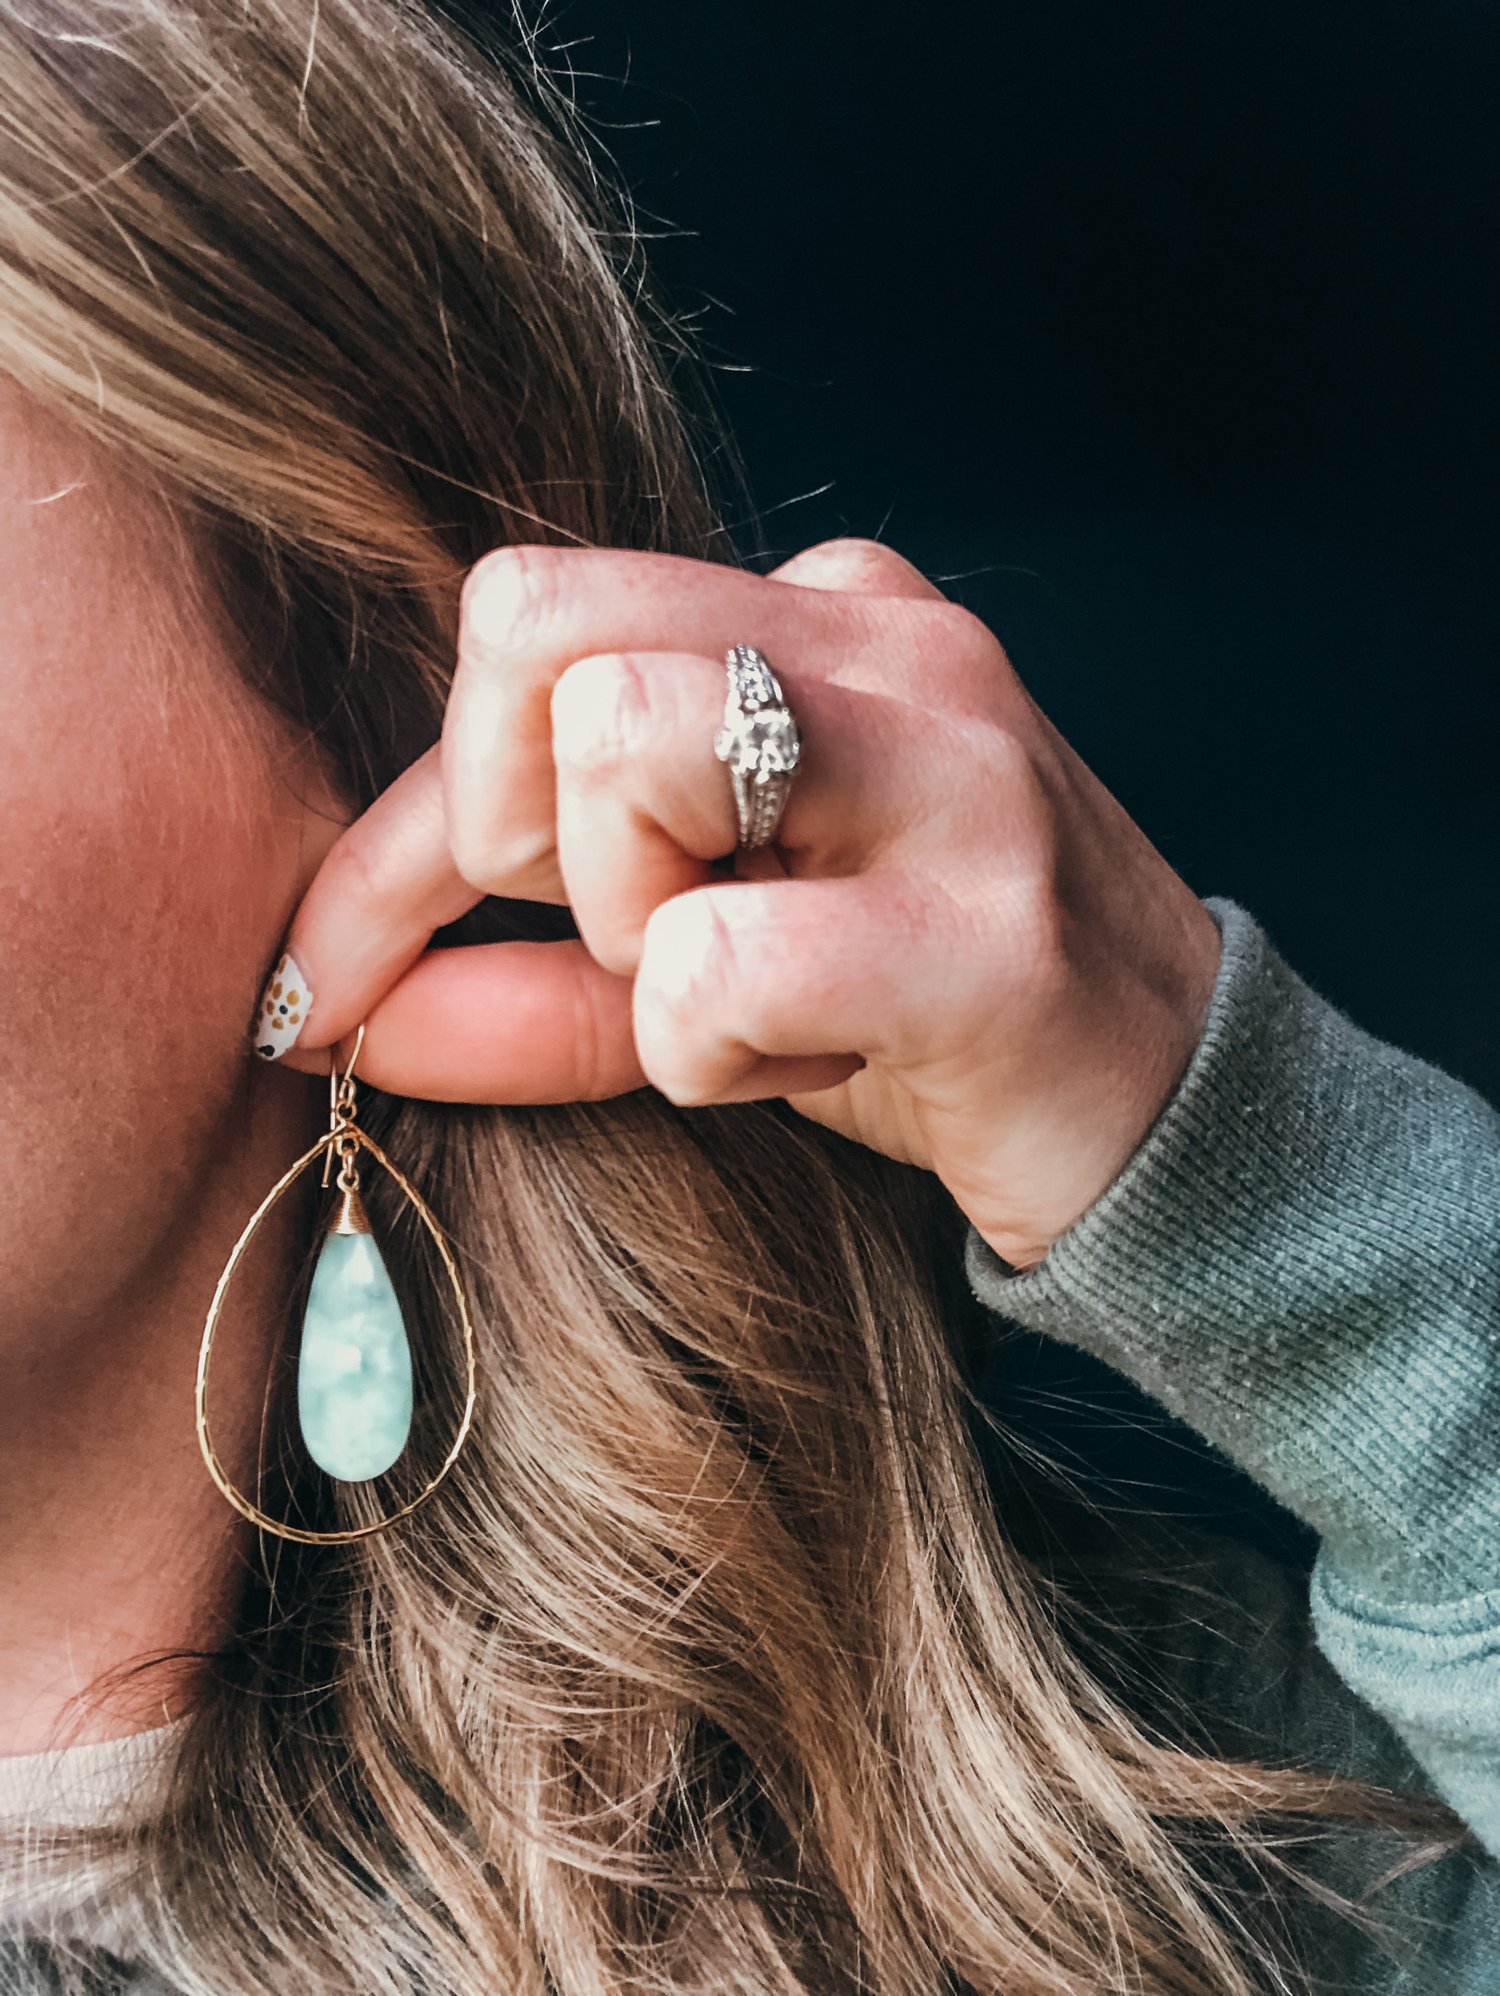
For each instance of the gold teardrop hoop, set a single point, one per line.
(216, 1470)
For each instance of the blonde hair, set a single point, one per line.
(711, 1667)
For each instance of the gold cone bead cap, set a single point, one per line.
(351, 1217)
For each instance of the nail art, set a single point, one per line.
(282, 1011)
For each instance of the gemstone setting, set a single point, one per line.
(760, 743)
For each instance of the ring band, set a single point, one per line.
(760, 742)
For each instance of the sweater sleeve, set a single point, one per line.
(1302, 1261)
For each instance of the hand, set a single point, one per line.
(961, 951)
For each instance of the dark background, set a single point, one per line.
(1163, 335)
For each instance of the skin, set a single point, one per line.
(962, 953)
(151, 850)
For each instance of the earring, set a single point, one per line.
(354, 1381)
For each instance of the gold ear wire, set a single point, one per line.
(341, 1086)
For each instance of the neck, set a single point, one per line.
(120, 1563)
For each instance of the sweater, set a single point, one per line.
(1300, 1262)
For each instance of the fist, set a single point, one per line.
(959, 950)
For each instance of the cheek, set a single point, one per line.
(152, 849)
(119, 917)
(146, 870)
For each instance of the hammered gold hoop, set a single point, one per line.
(342, 1132)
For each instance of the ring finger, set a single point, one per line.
(643, 805)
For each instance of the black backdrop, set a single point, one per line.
(1165, 333)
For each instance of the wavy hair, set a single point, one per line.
(716, 1665)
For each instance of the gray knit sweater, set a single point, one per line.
(1302, 1262)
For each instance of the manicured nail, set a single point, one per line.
(282, 1011)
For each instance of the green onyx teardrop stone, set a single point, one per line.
(354, 1372)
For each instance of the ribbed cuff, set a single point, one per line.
(1302, 1260)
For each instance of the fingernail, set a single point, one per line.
(282, 1011)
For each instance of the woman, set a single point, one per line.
(363, 593)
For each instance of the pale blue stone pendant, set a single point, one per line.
(354, 1390)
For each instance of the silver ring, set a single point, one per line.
(760, 742)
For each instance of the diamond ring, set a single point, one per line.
(759, 741)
